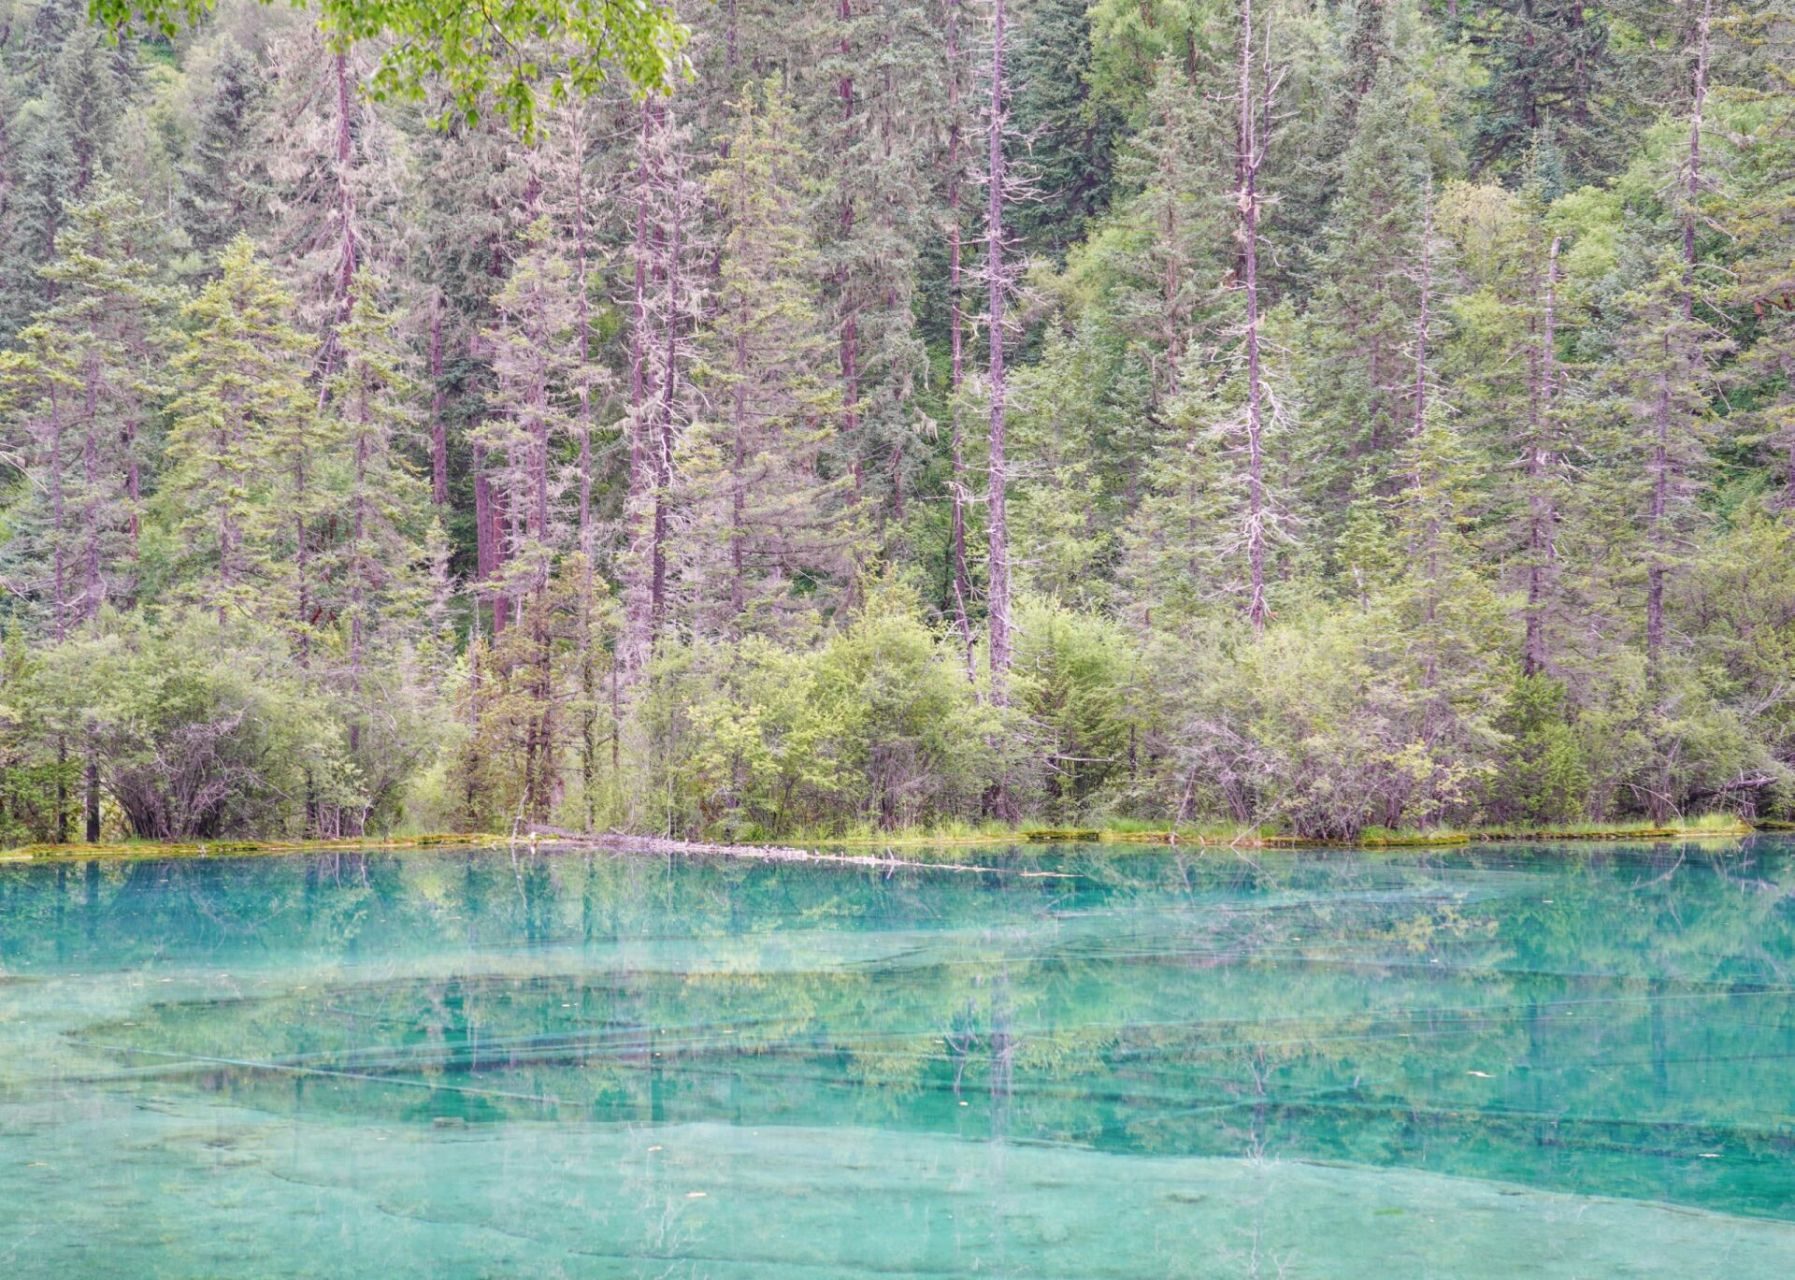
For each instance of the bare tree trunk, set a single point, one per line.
(483, 527)
(671, 241)
(1250, 156)
(358, 569)
(1663, 462)
(1430, 551)
(738, 480)
(93, 798)
(59, 598)
(1657, 523)
(642, 450)
(1535, 649)
(439, 439)
(998, 593)
(93, 593)
(850, 320)
(956, 334)
(302, 566)
(585, 346)
(1424, 316)
(348, 250)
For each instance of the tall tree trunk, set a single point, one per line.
(93, 798)
(1424, 313)
(956, 302)
(845, 282)
(358, 569)
(59, 598)
(1541, 516)
(1431, 531)
(1663, 459)
(302, 568)
(738, 481)
(347, 240)
(439, 438)
(483, 527)
(642, 449)
(585, 348)
(998, 592)
(93, 515)
(671, 240)
(1249, 158)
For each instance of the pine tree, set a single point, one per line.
(41, 172)
(380, 501)
(334, 173)
(1357, 367)
(770, 533)
(998, 283)
(1547, 64)
(882, 71)
(84, 381)
(665, 298)
(223, 186)
(1072, 135)
(93, 78)
(240, 380)
(1443, 660)
(540, 378)
(1178, 228)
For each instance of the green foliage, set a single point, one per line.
(1510, 452)
(1543, 778)
(199, 728)
(480, 57)
(1080, 681)
(878, 725)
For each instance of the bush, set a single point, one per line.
(744, 739)
(199, 729)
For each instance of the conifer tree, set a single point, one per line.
(380, 500)
(40, 173)
(882, 68)
(222, 192)
(1547, 64)
(1358, 363)
(665, 298)
(335, 172)
(1071, 134)
(84, 385)
(240, 380)
(770, 530)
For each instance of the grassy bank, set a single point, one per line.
(132, 849)
(1124, 833)
(1134, 832)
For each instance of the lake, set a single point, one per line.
(1502, 1060)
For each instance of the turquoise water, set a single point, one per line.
(1504, 1061)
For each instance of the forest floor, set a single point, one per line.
(811, 847)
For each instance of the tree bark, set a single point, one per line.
(998, 591)
(1248, 166)
(1541, 516)
(439, 439)
(1663, 461)
(957, 492)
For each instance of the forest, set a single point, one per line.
(1305, 415)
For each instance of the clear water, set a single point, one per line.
(1504, 1061)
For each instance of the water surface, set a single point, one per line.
(1502, 1061)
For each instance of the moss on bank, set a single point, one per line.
(1120, 834)
(237, 848)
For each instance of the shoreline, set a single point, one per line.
(555, 838)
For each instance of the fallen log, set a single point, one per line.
(623, 842)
